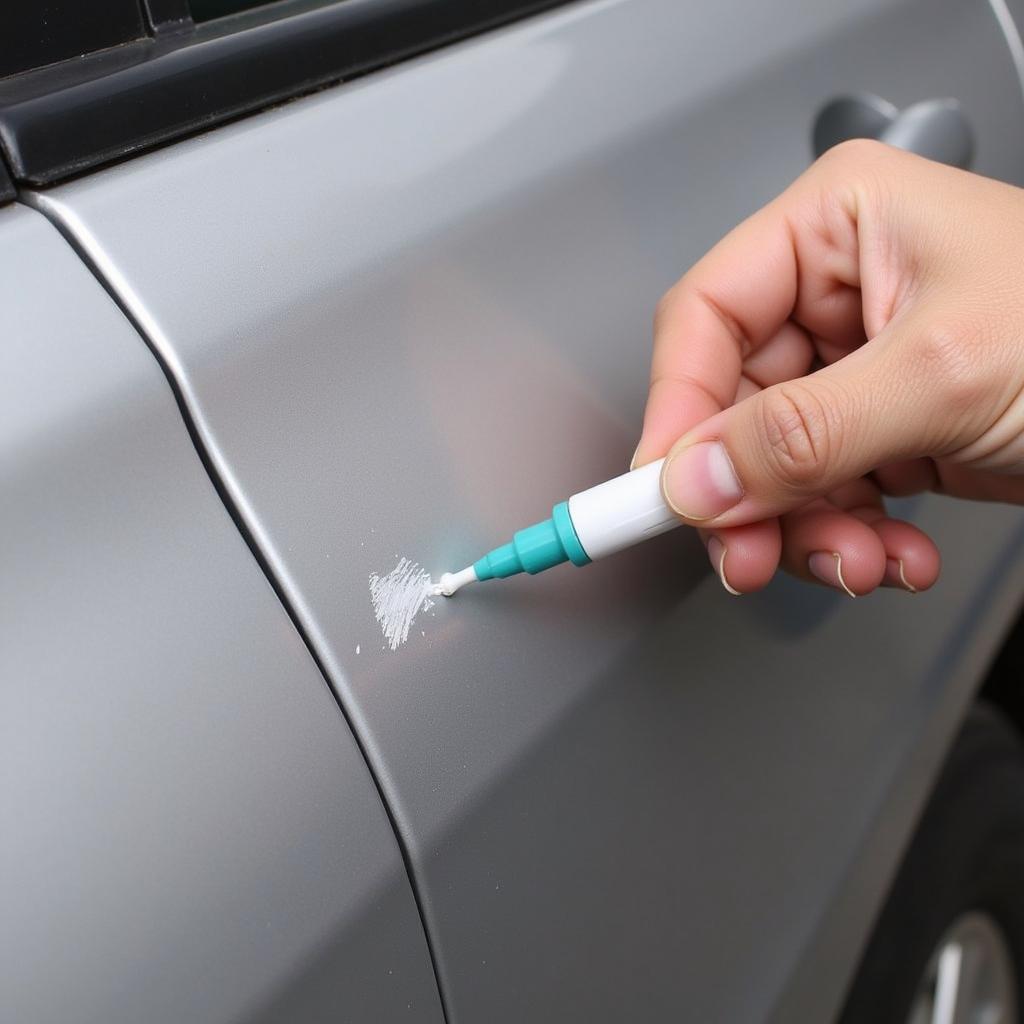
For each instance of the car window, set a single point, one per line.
(38, 34)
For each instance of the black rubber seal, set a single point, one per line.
(78, 115)
(7, 189)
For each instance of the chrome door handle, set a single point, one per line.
(937, 129)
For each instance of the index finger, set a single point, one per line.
(728, 304)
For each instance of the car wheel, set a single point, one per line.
(948, 947)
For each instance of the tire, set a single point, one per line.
(966, 856)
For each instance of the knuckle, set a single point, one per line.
(951, 358)
(798, 435)
(862, 169)
(856, 151)
(661, 311)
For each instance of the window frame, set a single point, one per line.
(68, 118)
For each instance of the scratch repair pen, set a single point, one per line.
(594, 523)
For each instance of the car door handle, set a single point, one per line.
(937, 129)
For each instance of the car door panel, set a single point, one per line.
(620, 791)
(189, 830)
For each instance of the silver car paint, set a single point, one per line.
(188, 831)
(409, 314)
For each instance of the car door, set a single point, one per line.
(407, 314)
(188, 830)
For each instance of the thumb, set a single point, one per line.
(798, 440)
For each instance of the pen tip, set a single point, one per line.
(453, 581)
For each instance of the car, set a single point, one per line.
(299, 295)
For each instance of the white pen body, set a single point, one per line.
(621, 512)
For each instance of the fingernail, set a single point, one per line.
(699, 481)
(632, 461)
(827, 566)
(895, 576)
(717, 552)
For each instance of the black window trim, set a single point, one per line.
(8, 193)
(75, 116)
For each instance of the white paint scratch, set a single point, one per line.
(397, 599)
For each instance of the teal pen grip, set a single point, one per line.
(535, 548)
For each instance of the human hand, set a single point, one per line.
(861, 335)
